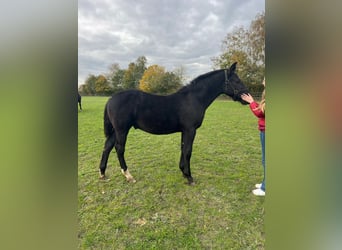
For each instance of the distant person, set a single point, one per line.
(258, 110)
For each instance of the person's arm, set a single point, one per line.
(253, 105)
(257, 112)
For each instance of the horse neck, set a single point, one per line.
(208, 91)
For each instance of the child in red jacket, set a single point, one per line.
(258, 110)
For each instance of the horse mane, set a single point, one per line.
(194, 82)
(201, 77)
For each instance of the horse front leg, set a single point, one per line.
(120, 151)
(186, 151)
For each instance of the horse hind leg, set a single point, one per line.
(109, 144)
(120, 151)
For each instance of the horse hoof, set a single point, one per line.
(104, 178)
(132, 180)
(128, 176)
(190, 183)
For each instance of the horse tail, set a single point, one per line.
(108, 127)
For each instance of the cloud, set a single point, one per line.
(168, 33)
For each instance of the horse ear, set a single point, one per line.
(232, 68)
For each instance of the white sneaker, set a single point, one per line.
(258, 192)
(258, 186)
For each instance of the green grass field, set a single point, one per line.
(160, 211)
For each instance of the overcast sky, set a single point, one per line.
(170, 33)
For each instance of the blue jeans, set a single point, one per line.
(262, 140)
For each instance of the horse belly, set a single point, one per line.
(157, 124)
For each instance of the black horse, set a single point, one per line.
(182, 112)
(79, 101)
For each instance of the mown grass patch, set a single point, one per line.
(160, 211)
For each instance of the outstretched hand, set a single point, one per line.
(247, 98)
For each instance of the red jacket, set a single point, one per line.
(258, 113)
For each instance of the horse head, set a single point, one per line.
(233, 86)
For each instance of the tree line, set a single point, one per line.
(243, 45)
(153, 79)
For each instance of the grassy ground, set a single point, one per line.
(160, 211)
